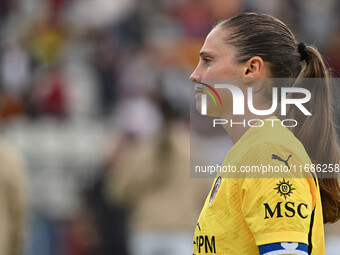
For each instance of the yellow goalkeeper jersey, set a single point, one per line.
(269, 213)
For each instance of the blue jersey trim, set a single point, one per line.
(284, 248)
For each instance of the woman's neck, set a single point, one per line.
(237, 125)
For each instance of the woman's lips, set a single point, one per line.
(199, 87)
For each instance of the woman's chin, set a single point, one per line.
(209, 112)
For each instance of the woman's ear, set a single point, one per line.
(254, 68)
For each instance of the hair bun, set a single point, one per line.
(302, 51)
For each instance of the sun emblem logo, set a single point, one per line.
(284, 188)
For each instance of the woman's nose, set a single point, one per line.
(195, 77)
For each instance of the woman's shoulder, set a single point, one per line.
(271, 143)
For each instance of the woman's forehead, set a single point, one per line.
(215, 43)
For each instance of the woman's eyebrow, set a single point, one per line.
(204, 53)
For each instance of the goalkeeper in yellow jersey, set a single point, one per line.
(277, 213)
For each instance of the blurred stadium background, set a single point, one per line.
(94, 96)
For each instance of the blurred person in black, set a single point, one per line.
(107, 220)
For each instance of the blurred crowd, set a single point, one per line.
(94, 96)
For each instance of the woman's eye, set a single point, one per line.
(206, 60)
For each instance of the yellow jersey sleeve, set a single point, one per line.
(277, 207)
